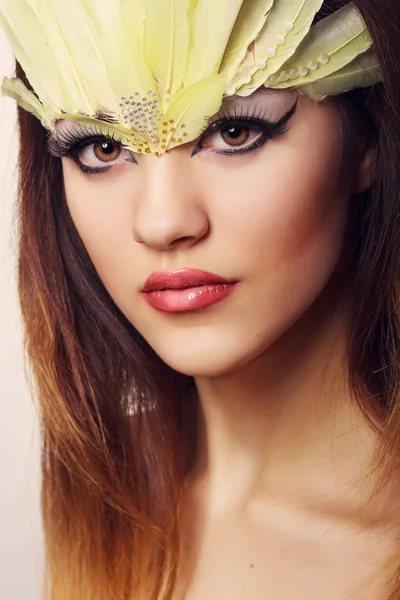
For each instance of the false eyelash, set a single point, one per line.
(255, 119)
(70, 140)
(243, 113)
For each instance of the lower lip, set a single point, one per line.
(184, 300)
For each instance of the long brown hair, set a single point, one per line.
(111, 410)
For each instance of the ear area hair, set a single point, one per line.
(364, 174)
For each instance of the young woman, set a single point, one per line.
(213, 330)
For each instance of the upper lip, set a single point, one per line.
(183, 278)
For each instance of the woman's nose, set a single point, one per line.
(168, 211)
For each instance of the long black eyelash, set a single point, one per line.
(243, 112)
(235, 113)
(257, 119)
(67, 142)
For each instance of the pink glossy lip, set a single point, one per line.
(185, 290)
(184, 278)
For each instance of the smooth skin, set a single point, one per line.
(276, 497)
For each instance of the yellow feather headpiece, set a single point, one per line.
(152, 72)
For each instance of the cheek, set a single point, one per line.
(280, 227)
(101, 209)
(289, 206)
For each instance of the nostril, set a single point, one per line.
(188, 239)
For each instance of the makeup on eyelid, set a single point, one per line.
(73, 141)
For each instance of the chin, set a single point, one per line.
(202, 365)
(205, 356)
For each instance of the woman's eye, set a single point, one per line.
(231, 137)
(101, 154)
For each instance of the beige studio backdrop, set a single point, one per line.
(21, 554)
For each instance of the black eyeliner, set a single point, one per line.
(69, 143)
(270, 130)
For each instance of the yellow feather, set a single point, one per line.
(211, 26)
(338, 39)
(250, 22)
(127, 70)
(16, 89)
(80, 37)
(363, 71)
(27, 37)
(287, 25)
(167, 22)
(133, 15)
(77, 96)
(192, 108)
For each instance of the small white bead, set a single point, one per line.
(293, 74)
(303, 71)
(246, 79)
(284, 76)
(323, 59)
(260, 64)
(313, 65)
(288, 25)
(280, 39)
(230, 91)
(273, 80)
(270, 52)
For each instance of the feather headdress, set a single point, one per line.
(152, 72)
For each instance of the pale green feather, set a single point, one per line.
(193, 107)
(167, 22)
(82, 39)
(16, 89)
(297, 14)
(127, 69)
(363, 71)
(211, 26)
(77, 96)
(27, 37)
(192, 7)
(250, 22)
(133, 15)
(342, 36)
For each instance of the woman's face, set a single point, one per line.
(271, 219)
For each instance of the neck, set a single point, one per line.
(283, 427)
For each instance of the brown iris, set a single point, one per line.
(106, 151)
(235, 135)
